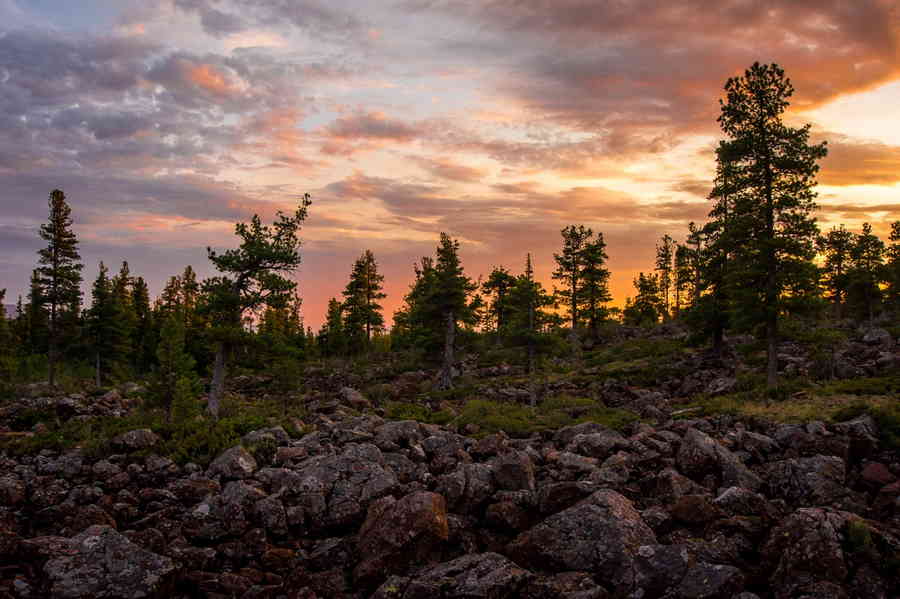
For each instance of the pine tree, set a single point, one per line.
(123, 292)
(772, 223)
(142, 338)
(594, 276)
(7, 344)
(361, 297)
(527, 303)
(253, 276)
(451, 300)
(892, 274)
(867, 256)
(175, 375)
(569, 266)
(497, 288)
(835, 248)
(647, 306)
(36, 325)
(332, 336)
(107, 336)
(665, 254)
(59, 273)
(683, 275)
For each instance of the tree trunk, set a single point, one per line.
(771, 306)
(217, 388)
(445, 379)
(718, 339)
(51, 347)
(97, 368)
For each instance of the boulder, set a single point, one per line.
(700, 455)
(711, 581)
(806, 548)
(397, 534)
(474, 576)
(136, 440)
(12, 491)
(659, 568)
(600, 535)
(599, 444)
(514, 471)
(354, 398)
(877, 337)
(101, 563)
(233, 464)
(813, 481)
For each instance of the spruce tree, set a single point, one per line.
(835, 248)
(252, 277)
(450, 299)
(143, 341)
(773, 228)
(594, 276)
(892, 274)
(665, 255)
(527, 303)
(569, 266)
(36, 318)
(332, 336)
(497, 288)
(7, 344)
(123, 292)
(867, 257)
(646, 307)
(107, 336)
(174, 374)
(361, 297)
(59, 272)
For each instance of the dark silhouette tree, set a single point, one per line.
(835, 248)
(772, 230)
(569, 267)
(59, 272)
(646, 307)
(107, 335)
(175, 373)
(451, 299)
(867, 260)
(665, 256)
(361, 296)
(333, 336)
(892, 268)
(594, 276)
(497, 288)
(252, 277)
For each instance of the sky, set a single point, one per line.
(496, 121)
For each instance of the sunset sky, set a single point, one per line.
(497, 121)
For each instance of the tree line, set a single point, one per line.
(758, 258)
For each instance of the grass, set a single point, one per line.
(198, 440)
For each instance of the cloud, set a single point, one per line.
(448, 169)
(859, 162)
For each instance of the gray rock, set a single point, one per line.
(397, 534)
(233, 463)
(709, 581)
(598, 444)
(877, 336)
(101, 563)
(813, 481)
(601, 535)
(474, 576)
(514, 471)
(136, 440)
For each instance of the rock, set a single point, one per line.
(474, 576)
(12, 491)
(877, 337)
(601, 535)
(695, 509)
(708, 581)
(813, 481)
(805, 549)
(877, 475)
(568, 585)
(514, 471)
(397, 534)
(721, 385)
(659, 568)
(101, 563)
(565, 436)
(354, 398)
(598, 444)
(232, 464)
(136, 440)
(700, 455)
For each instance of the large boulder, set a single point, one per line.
(234, 463)
(474, 576)
(397, 534)
(700, 456)
(600, 535)
(806, 550)
(136, 440)
(514, 471)
(813, 481)
(334, 491)
(101, 563)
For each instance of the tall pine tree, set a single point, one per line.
(59, 273)
(569, 267)
(361, 297)
(773, 227)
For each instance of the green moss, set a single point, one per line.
(858, 540)
(884, 385)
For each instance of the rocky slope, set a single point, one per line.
(363, 507)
